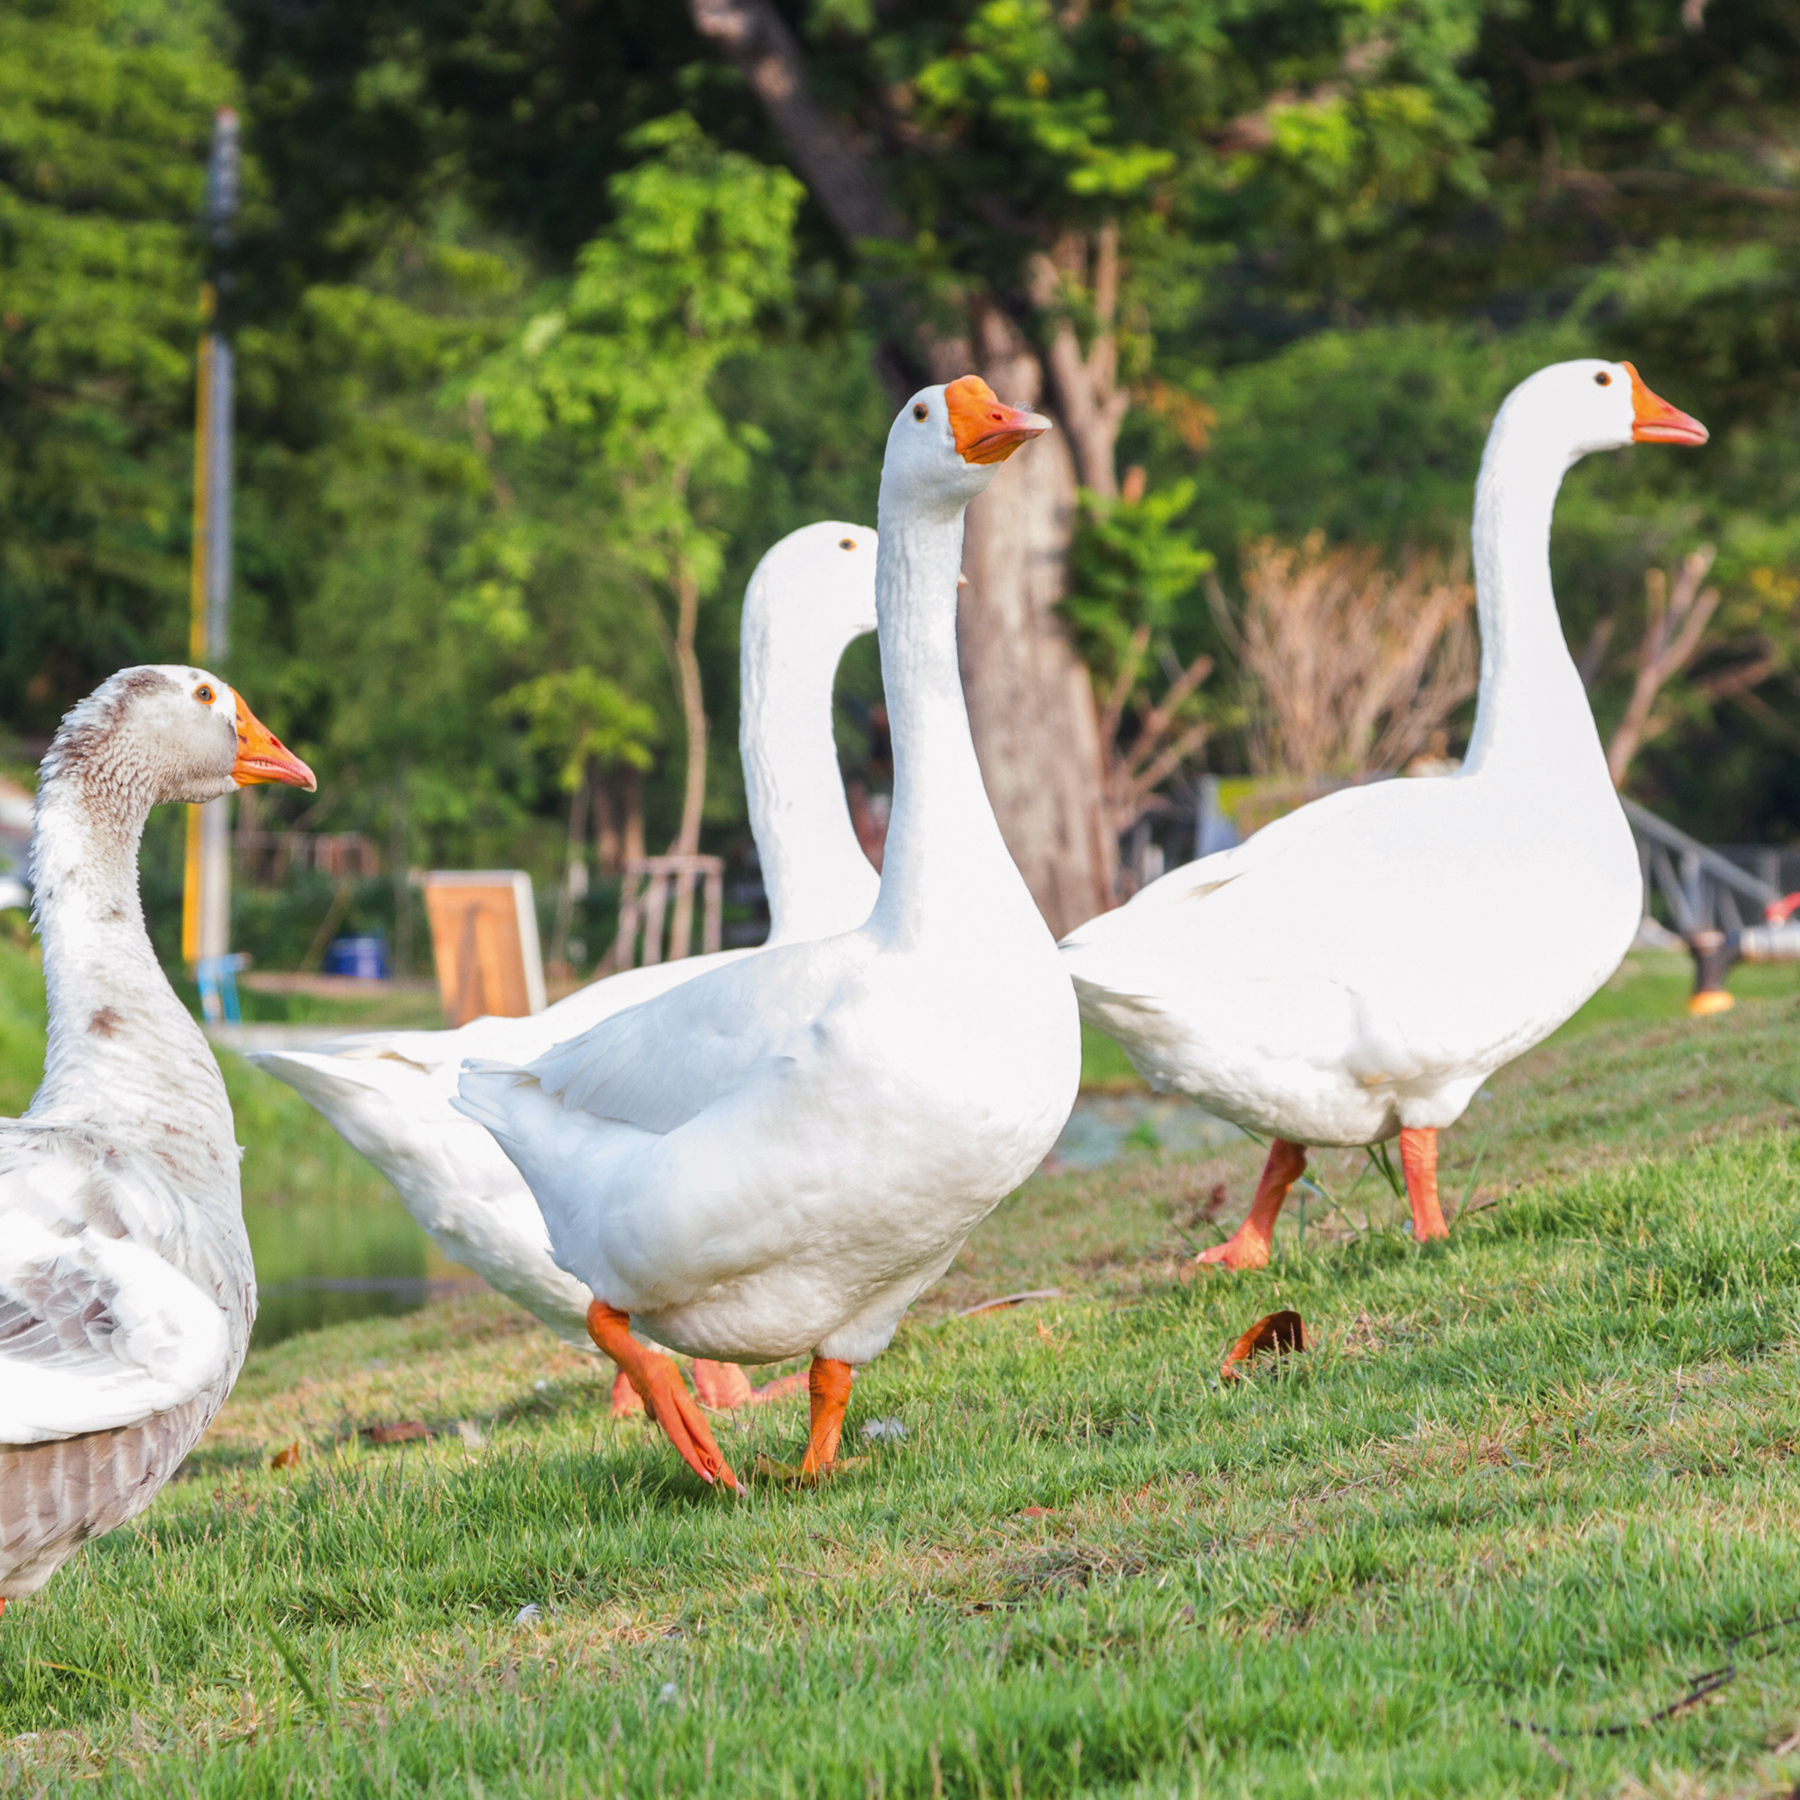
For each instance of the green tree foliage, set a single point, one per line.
(699, 253)
(583, 718)
(487, 321)
(105, 113)
(1135, 569)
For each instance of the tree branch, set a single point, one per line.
(1129, 664)
(825, 154)
(1671, 639)
(1156, 724)
(1092, 405)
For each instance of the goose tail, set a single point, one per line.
(487, 1092)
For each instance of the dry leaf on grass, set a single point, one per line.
(1277, 1331)
(407, 1431)
(792, 1475)
(285, 1459)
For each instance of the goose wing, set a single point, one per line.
(658, 1065)
(1332, 886)
(96, 1330)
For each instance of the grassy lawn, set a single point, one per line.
(1540, 1473)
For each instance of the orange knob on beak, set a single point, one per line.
(1655, 421)
(987, 430)
(262, 756)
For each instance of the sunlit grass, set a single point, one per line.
(1540, 1472)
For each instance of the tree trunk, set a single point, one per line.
(631, 786)
(609, 853)
(398, 875)
(1089, 400)
(693, 713)
(1031, 703)
(574, 881)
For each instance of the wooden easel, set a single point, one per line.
(484, 938)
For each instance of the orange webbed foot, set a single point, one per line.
(658, 1381)
(779, 1388)
(721, 1385)
(1250, 1246)
(1246, 1248)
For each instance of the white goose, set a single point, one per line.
(776, 1158)
(126, 1288)
(1360, 967)
(389, 1094)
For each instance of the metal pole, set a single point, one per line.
(206, 899)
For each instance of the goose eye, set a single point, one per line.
(921, 412)
(1603, 379)
(846, 543)
(204, 694)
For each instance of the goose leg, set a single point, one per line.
(1248, 1246)
(721, 1385)
(658, 1381)
(716, 1384)
(1418, 1162)
(829, 1385)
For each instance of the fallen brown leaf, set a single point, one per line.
(285, 1459)
(793, 1476)
(407, 1431)
(1277, 1331)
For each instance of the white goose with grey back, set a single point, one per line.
(775, 1159)
(126, 1287)
(1359, 968)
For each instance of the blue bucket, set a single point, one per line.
(364, 957)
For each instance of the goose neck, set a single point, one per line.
(1531, 713)
(123, 1053)
(814, 870)
(945, 861)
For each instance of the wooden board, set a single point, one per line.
(485, 940)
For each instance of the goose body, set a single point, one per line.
(126, 1286)
(390, 1094)
(1358, 969)
(1322, 982)
(776, 1158)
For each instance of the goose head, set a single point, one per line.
(948, 442)
(819, 582)
(169, 731)
(1587, 405)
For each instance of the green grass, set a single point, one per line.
(1543, 1471)
(1655, 984)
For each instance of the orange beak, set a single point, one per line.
(262, 756)
(986, 430)
(1655, 421)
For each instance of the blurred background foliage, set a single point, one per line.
(535, 328)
